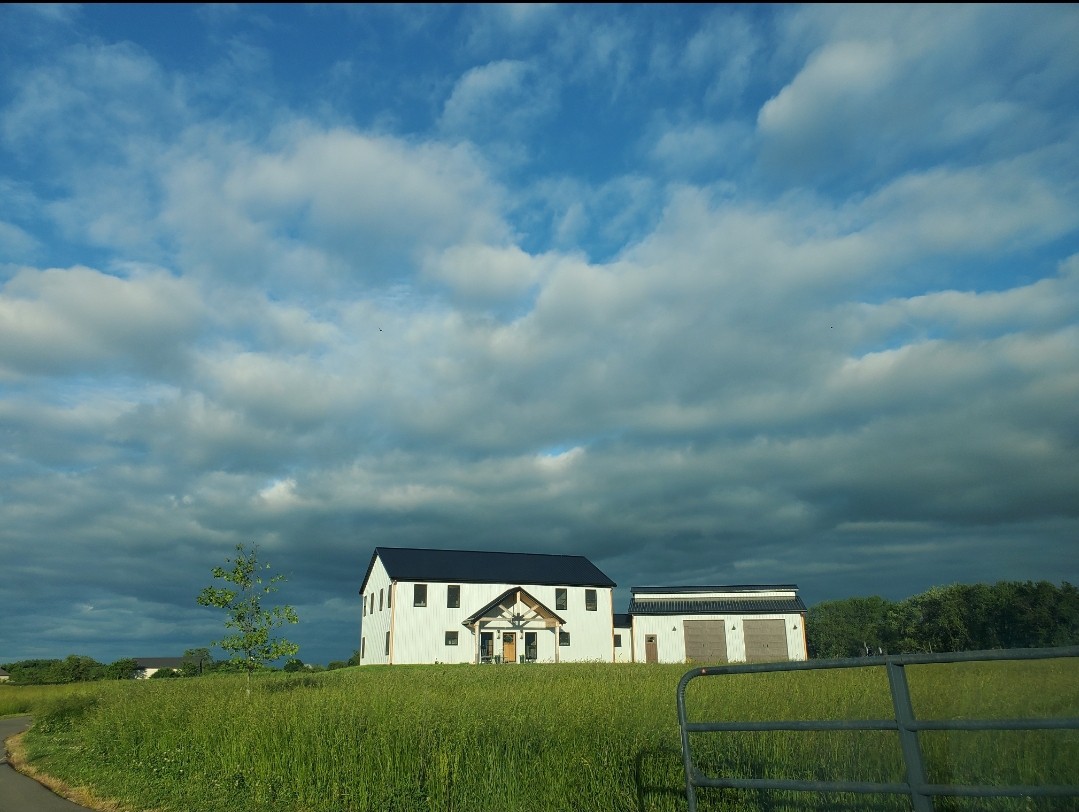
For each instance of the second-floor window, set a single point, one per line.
(590, 600)
(560, 599)
(453, 596)
(419, 595)
(380, 594)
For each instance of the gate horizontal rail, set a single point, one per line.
(904, 723)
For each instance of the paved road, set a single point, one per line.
(19, 793)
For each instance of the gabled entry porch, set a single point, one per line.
(515, 627)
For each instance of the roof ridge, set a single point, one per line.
(482, 552)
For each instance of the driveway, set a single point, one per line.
(19, 793)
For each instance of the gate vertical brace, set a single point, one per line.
(908, 738)
(687, 753)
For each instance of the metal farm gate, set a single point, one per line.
(905, 724)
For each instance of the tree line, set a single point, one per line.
(196, 663)
(74, 668)
(959, 617)
(79, 668)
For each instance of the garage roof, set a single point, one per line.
(718, 606)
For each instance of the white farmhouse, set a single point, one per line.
(717, 624)
(458, 606)
(463, 606)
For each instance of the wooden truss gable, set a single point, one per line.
(503, 607)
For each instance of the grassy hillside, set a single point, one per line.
(505, 738)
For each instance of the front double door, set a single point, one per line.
(512, 640)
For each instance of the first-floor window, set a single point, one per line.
(451, 638)
(387, 644)
(363, 647)
(419, 595)
(563, 638)
(618, 641)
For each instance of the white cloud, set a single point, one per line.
(701, 147)
(488, 273)
(108, 89)
(329, 205)
(16, 244)
(830, 93)
(61, 320)
(971, 210)
(493, 102)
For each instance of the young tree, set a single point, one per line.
(196, 662)
(252, 644)
(122, 669)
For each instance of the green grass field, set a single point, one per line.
(529, 738)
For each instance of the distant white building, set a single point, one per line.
(146, 667)
(460, 606)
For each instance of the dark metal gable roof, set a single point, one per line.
(478, 567)
(670, 590)
(159, 662)
(718, 606)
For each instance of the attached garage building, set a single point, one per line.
(717, 624)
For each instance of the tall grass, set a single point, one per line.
(507, 738)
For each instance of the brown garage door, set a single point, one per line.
(706, 641)
(766, 641)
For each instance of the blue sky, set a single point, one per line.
(709, 294)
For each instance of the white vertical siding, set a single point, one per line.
(375, 624)
(671, 636)
(419, 633)
(670, 642)
(624, 654)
